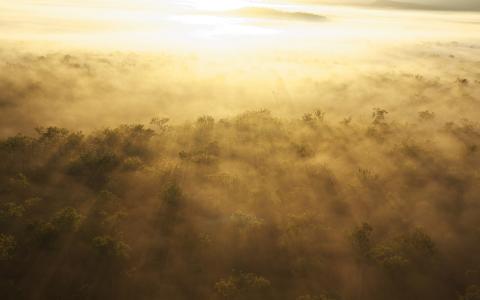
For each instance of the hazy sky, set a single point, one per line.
(448, 3)
(452, 4)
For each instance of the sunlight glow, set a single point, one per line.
(215, 5)
(211, 26)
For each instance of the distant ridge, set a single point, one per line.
(445, 5)
(417, 6)
(403, 5)
(269, 13)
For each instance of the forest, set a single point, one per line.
(309, 153)
(248, 207)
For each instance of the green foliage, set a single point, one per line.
(18, 182)
(205, 155)
(109, 247)
(173, 196)
(48, 233)
(407, 252)
(303, 150)
(418, 245)
(226, 288)
(161, 124)
(16, 144)
(44, 233)
(95, 167)
(132, 164)
(11, 210)
(205, 123)
(368, 178)
(361, 242)
(426, 115)
(7, 247)
(391, 258)
(51, 134)
(379, 116)
(166, 214)
(66, 220)
(245, 221)
(321, 297)
(317, 116)
(242, 285)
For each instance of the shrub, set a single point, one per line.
(241, 285)
(7, 246)
(107, 246)
(361, 242)
(67, 220)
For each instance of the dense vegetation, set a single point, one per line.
(247, 207)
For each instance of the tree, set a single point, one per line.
(7, 246)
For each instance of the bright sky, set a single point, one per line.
(215, 4)
(160, 24)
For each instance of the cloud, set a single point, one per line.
(269, 13)
(427, 5)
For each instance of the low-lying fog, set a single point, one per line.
(281, 152)
(87, 65)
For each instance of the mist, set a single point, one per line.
(255, 150)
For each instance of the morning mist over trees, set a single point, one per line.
(240, 149)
